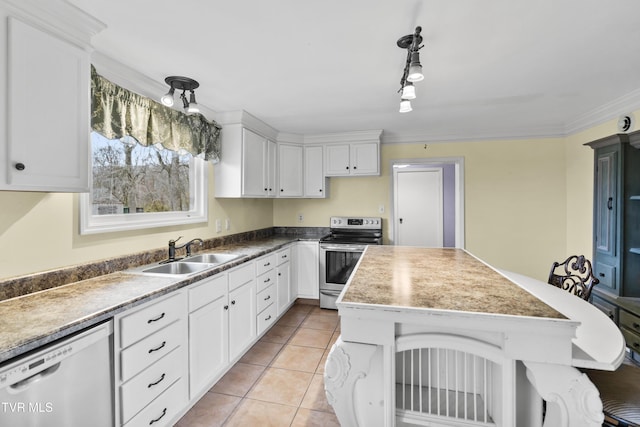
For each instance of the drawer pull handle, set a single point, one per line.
(636, 345)
(284, 256)
(156, 319)
(267, 318)
(267, 280)
(268, 298)
(157, 382)
(158, 348)
(601, 274)
(636, 325)
(267, 264)
(164, 412)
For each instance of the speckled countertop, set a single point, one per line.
(30, 321)
(443, 279)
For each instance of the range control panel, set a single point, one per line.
(356, 222)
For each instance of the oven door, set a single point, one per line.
(337, 262)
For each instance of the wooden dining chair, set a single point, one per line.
(574, 275)
(619, 389)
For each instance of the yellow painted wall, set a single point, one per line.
(39, 231)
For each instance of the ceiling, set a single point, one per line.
(493, 68)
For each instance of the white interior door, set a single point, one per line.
(419, 207)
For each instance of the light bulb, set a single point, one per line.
(405, 106)
(408, 91)
(167, 98)
(415, 69)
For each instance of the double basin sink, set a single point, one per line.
(190, 265)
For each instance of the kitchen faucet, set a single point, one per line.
(173, 247)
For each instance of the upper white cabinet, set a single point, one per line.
(248, 164)
(45, 63)
(362, 158)
(290, 170)
(315, 182)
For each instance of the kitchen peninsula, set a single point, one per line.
(464, 344)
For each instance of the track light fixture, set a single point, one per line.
(184, 84)
(412, 69)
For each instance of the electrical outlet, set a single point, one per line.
(381, 209)
(300, 217)
(227, 224)
(218, 226)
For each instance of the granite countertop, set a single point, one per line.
(30, 321)
(437, 278)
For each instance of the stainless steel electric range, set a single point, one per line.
(340, 252)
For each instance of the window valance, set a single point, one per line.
(118, 112)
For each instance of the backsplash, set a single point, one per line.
(23, 285)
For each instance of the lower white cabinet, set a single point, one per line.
(208, 332)
(151, 362)
(307, 269)
(283, 279)
(242, 315)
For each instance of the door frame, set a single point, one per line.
(421, 163)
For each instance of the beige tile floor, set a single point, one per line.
(278, 382)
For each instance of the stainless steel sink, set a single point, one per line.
(212, 258)
(178, 268)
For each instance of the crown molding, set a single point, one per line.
(609, 111)
(344, 137)
(57, 17)
(510, 134)
(247, 120)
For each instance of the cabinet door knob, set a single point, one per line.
(320, 190)
(601, 274)
(282, 189)
(233, 302)
(347, 167)
(355, 167)
(610, 203)
(20, 166)
(226, 307)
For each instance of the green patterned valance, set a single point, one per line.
(118, 112)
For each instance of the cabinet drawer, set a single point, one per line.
(283, 256)
(630, 321)
(241, 275)
(265, 280)
(207, 291)
(606, 307)
(146, 386)
(150, 319)
(266, 318)
(632, 339)
(160, 412)
(606, 274)
(151, 349)
(265, 263)
(266, 297)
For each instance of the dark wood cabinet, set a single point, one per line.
(616, 229)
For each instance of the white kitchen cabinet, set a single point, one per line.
(315, 182)
(283, 279)
(361, 158)
(151, 361)
(50, 69)
(208, 332)
(242, 310)
(307, 266)
(248, 164)
(290, 170)
(267, 297)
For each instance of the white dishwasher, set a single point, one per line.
(67, 383)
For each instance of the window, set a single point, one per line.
(135, 186)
